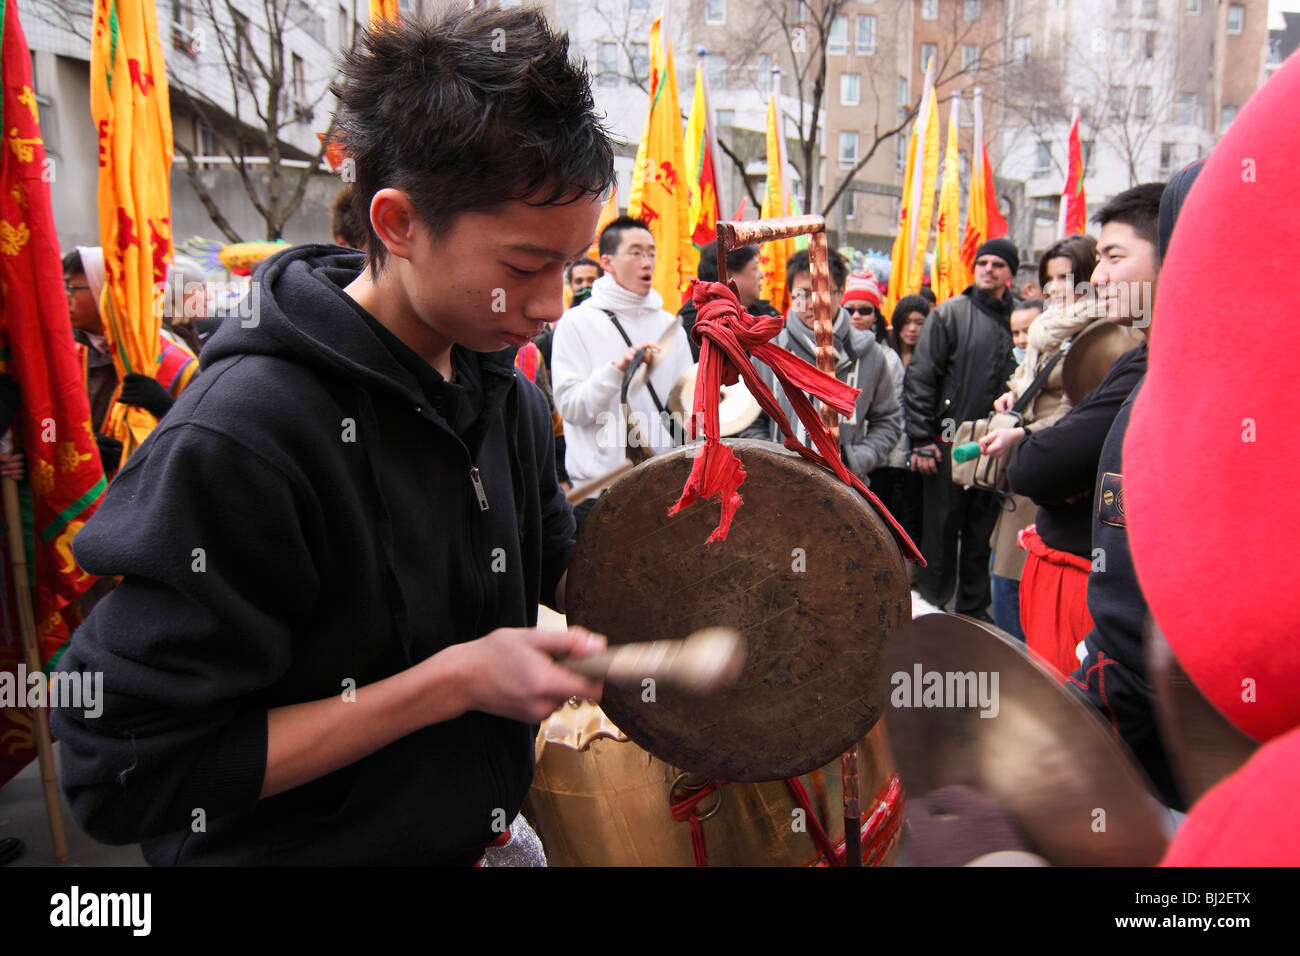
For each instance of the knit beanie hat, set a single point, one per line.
(1004, 249)
(862, 286)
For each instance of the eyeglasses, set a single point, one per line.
(639, 254)
(860, 310)
(76, 288)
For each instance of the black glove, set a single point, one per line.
(9, 401)
(145, 392)
(110, 452)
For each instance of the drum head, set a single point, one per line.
(809, 574)
(966, 706)
(1091, 355)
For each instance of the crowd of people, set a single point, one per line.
(407, 487)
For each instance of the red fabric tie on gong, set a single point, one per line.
(728, 336)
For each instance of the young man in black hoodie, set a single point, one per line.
(323, 650)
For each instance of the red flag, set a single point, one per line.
(66, 478)
(1074, 202)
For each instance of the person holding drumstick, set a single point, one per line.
(323, 649)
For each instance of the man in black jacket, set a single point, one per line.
(960, 366)
(323, 650)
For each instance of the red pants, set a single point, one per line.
(1053, 602)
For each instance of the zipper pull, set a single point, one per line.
(477, 481)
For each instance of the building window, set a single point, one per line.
(242, 43)
(299, 81)
(929, 54)
(607, 63)
(970, 56)
(715, 11)
(1123, 7)
(1149, 8)
(1047, 208)
(849, 87)
(1142, 108)
(1149, 45)
(1166, 157)
(929, 9)
(725, 117)
(838, 41)
(1226, 116)
(1193, 8)
(850, 204)
(900, 156)
(866, 39)
(1044, 158)
(765, 64)
(965, 116)
(903, 98)
(1121, 44)
(1186, 112)
(1021, 48)
(971, 10)
(848, 150)
(1118, 99)
(715, 64)
(1236, 18)
(641, 60)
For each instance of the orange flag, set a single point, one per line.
(898, 257)
(773, 255)
(701, 169)
(983, 221)
(924, 179)
(384, 10)
(659, 193)
(130, 106)
(949, 271)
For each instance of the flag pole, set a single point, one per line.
(32, 652)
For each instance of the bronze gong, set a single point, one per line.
(809, 575)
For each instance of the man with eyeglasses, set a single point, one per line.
(594, 344)
(870, 433)
(83, 279)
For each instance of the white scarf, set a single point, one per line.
(608, 294)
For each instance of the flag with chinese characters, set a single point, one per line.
(983, 220)
(950, 277)
(659, 194)
(65, 479)
(130, 106)
(772, 256)
(1074, 201)
(701, 168)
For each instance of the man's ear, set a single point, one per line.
(392, 215)
(606, 263)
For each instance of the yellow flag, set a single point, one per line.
(384, 10)
(898, 258)
(925, 212)
(773, 255)
(949, 270)
(659, 194)
(131, 110)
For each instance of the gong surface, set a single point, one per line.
(1040, 752)
(809, 575)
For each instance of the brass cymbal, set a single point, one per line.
(737, 408)
(992, 719)
(1203, 746)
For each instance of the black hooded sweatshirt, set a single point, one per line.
(303, 522)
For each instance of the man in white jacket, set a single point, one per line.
(595, 342)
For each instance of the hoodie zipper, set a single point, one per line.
(476, 479)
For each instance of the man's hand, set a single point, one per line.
(11, 466)
(626, 360)
(924, 464)
(1000, 442)
(511, 672)
(147, 393)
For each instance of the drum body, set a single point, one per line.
(600, 800)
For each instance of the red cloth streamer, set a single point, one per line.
(728, 336)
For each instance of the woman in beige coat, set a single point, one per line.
(1063, 272)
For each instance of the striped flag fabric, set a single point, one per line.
(701, 152)
(950, 276)
(1074, 201)
(983, 220)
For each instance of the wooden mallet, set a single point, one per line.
(708, 659)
